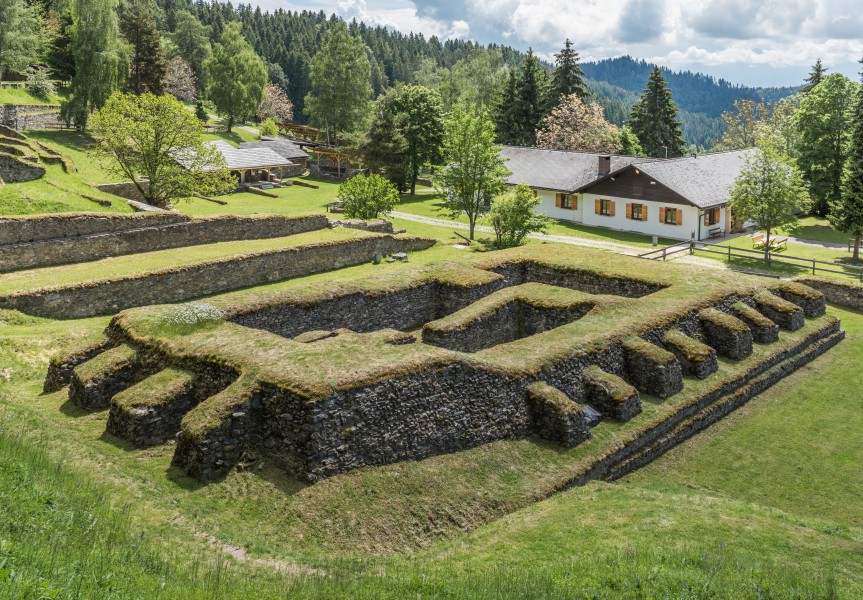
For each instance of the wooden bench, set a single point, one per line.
(715, 232)
(757, 239)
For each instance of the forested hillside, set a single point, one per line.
(291, 38)
(702, 99)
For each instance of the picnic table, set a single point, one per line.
(776, 242)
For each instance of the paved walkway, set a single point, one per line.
(576, 241)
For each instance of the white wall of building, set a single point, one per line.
(585, 213)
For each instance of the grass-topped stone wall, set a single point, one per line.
(109, 296)
(339, 374)
(155, 232)
(35, 228)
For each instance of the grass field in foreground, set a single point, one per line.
(136, 264)
(751, 508)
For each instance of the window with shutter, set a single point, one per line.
(635, 211)
(605, 208)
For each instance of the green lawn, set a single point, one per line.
(796, 267)
(427, 203)
(762, 505)
(127, 266)
(817, 229)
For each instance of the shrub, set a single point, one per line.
(39, 85)
(513, 216)
(268, 128)
(200, 112)
(368, 196)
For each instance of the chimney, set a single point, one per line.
(604, 165)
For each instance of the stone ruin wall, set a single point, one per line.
(146, 234)
(204, 279)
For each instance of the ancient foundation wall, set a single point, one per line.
(17, 230)
(202, 279)
(152, 234)
(836, 291)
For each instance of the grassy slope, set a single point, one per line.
(59, 191)
(715, 517)
(16, 95)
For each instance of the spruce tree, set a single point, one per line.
(504, 111)
(815, 77)
(568, 78)
(148, 66)
(384, 150)
(847, 214)
(654, 119)
(100, 59)
(530, 101)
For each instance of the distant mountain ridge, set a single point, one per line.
(619, 82)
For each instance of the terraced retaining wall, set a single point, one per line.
(17, 230)
(202, 279)
(152, 234)
(843, 293)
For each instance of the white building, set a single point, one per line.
(679, 198)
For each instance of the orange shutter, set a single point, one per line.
(680, 216)
(611, 209)
(596, 205)
(629, 210)
(557, 201)
(662, 215)
(643, 212)
(707, 217)
(574, 201)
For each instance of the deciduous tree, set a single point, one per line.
(340, 95)
(101, 60)
(824, 121)
(846, 214)
(155, 139)
(20, 36)
(769, 191)
(237, 76)
(367, 196)
(741, 124)
(276, 105)
(576, 126)
(513, 216)
(193, 44)
(654, 119)
(420, 112)
(474, 171)
(180, 80)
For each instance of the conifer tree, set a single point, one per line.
(654, 119)
(815, 77)
(504, 111)
(148, 66)
(530, 101)
(384, 150)
(847, 214)
(100, 59)
(237, 76)
(568, 78)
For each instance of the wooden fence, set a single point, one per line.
(771, 258)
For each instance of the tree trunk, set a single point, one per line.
(230, 123)
(857, 247)
(767, 246)
(472, 221)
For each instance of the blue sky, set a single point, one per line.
(768, 42)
